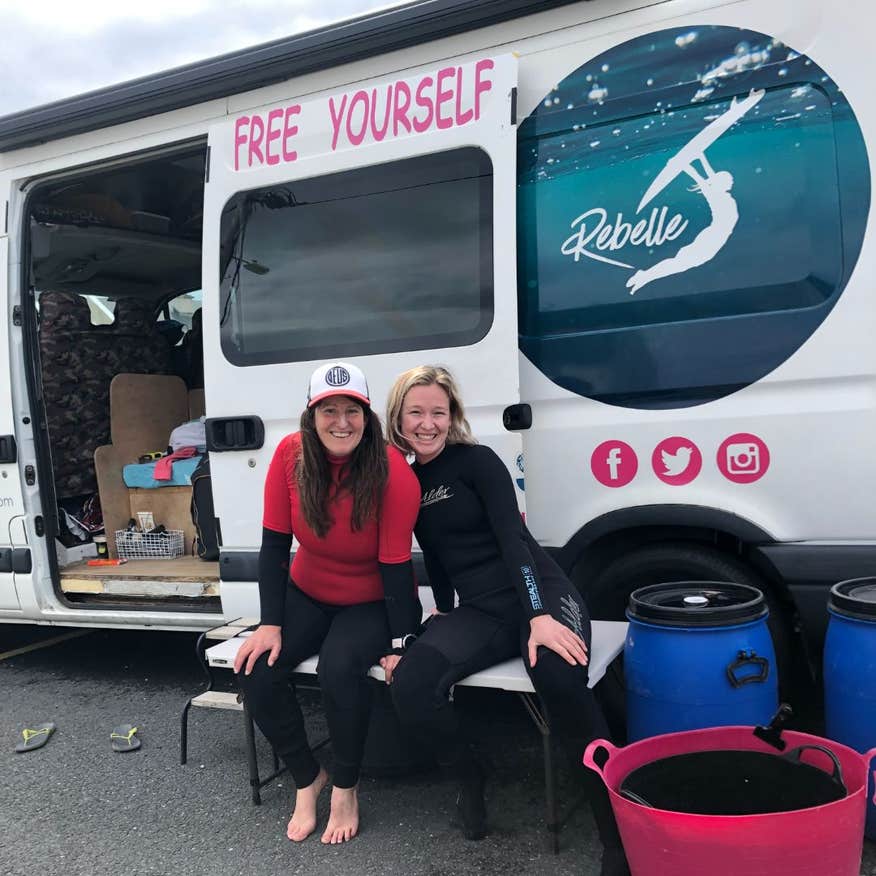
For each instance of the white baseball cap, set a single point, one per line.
(337, 378)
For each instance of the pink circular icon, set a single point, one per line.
(743, 458)
(614, 463)
(676, 461)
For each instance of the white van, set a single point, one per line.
(636, 230)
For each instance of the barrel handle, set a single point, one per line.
(794, 756)
(870, 757)
(590, 751)
(748, 658)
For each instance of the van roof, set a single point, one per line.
(340, 43)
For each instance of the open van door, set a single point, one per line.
(373, 224)
(14, 554)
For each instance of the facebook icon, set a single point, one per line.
(614, 463)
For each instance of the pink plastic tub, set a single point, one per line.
(819, 841)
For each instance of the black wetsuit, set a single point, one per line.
(475, 542)
(473, 538)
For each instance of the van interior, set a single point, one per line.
(113, 325)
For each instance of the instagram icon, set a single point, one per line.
(743, 458)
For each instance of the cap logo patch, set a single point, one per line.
(337, 376)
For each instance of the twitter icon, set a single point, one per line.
(676, 461)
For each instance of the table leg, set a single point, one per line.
(184, 718)
(251, 757)
(538, 713)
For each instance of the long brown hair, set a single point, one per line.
(365, 476)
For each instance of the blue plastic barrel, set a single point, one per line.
(698, 654)
(850, 673)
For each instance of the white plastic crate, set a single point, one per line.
(150, 545)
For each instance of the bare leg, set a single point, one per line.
(303, 820)
(343, 823)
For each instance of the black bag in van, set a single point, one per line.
(203, 515)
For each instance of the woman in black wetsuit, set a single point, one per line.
(513, 598)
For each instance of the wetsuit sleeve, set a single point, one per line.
(398, 514)
(274, 576)
(276, 537)
(442, 589)
(492, 482)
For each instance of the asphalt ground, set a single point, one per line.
(75, 807)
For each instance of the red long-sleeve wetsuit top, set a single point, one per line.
(345, 567)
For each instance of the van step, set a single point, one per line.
(217, 699)
(178, 569)
(139, 587)
(183, 577)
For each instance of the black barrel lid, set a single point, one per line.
(855, 598)
(697, 604)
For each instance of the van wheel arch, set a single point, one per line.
(606, 577)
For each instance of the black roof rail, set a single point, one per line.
(368, 35)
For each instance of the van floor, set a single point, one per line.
(182, 576)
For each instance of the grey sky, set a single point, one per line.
(51, 49)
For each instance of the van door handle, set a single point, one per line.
(517, 417)
(234, 433)
(7, 449)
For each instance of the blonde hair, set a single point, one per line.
(426, 375)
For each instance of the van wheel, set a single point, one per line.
(607, 592)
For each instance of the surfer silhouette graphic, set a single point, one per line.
(714, 186)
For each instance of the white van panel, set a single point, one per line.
(488, 368)
(816, 410)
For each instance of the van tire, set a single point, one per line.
(607, 591)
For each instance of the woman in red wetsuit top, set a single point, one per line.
(351, 501)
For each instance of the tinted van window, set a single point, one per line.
(390, 257)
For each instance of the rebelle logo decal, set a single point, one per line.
(653, 232)
(669, 194)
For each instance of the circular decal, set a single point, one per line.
(614, 463)
(743, 458)
(337, 376)
(676, 461)
(691, 204)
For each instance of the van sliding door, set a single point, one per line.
(372, 224)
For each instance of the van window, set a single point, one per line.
(390, 257)
(183, 307)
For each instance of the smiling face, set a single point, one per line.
(340, 424)
(425, 420)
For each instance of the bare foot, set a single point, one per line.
(303, 821)
(343, 821)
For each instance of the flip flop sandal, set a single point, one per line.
(124, 738)
(35, 737)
